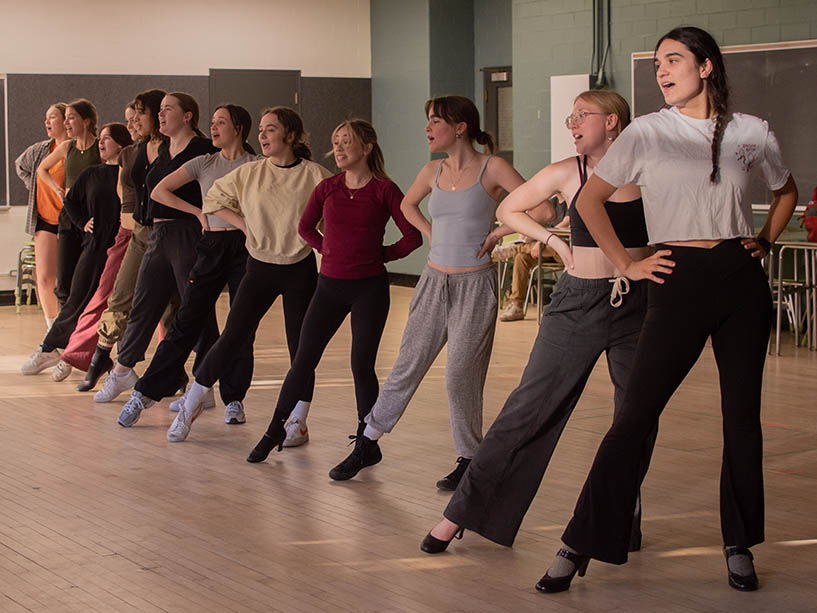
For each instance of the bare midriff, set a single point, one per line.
(703, 244)
(591, 263)
(456, 269)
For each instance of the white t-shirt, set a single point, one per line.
(207, 168)
(669, 156)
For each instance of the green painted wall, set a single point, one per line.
(553, 37)
(493, 40)
(400, 85)
(419, 49)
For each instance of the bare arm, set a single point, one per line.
(410, 206)
(780, 212)
(590, 206)
(48, 163)
(513, 210)
(500, 177)
(233, 218)
(163, 193)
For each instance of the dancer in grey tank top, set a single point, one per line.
(455, 300)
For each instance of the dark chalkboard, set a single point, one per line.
(4, 169)
(777, 82)
(29, 95)
(327, 101)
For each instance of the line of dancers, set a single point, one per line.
(657, 209)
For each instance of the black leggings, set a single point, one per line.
(69, 248)
(165, 267)
(720, 293)
(368, 302)
(259, 288)
(221, 260)
(88, 270)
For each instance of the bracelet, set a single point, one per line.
(764, 242)
(547, 240)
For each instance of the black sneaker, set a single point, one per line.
(366, 453)
(452, 480)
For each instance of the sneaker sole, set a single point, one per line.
(297, 442)
(234, 422)
(38, 370)
(61, 377)
(346, 476)
(127, 425)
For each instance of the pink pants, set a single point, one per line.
(82, 344)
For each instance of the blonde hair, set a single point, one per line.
(365, 134)
(610, 103)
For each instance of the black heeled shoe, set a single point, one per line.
(267, 444)
(95, 371)
(432, 544)
(560, 584)
(744, 583)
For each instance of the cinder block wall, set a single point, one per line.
(552, 37)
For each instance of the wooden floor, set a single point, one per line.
(94, 517)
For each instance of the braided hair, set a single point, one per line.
(704, 47)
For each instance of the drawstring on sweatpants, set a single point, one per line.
(621, 287)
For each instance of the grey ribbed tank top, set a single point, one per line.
(460, 221)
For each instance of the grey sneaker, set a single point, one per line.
(297, 432)
(115, 385)
(61, 371)
(234, 413)
(39, 361)
(209, 401)
(180, 427)
(133, 409)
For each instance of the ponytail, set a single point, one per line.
(486, 140)
(459, 109)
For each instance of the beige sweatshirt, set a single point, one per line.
(271, 199)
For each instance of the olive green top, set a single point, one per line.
(77, 160)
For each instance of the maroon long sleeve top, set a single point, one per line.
(354, 224)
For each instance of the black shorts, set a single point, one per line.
(43, 225)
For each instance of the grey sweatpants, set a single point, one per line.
(460, 309)
(578, 326)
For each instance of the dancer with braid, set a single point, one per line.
(693, 161)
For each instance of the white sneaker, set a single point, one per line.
(133, 409)
(297, 432)
(512, 312)
(40, 360)
(61, 371)
(234, 413)
(209, 400)
(180, 427)
(115, 385)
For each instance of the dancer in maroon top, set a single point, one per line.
(355, 206)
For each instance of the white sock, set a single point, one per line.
(300, 411)
(195, 396)
(49, 321)
(372, 434)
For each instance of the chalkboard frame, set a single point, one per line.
(752, 88)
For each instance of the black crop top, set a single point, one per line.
(627, 218)
(163, 165)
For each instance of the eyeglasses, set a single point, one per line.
(575, 120)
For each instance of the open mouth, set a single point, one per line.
(667, 85)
